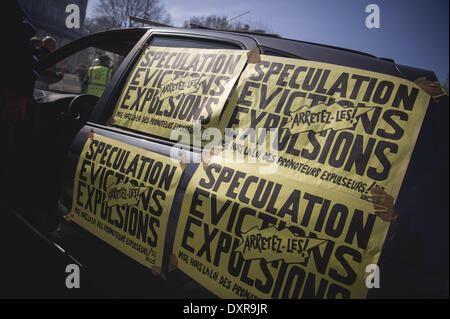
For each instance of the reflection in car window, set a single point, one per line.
(178, 42)
(71, 75)
(279, 53)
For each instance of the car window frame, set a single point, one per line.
(106, 105)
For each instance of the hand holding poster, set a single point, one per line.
(123, 195)
(170, 88)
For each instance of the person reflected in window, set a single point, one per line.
(98, 76)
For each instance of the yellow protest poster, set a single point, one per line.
(171, 88)
(286, 209)
(123, 195)
(336, 127)
(244, 235)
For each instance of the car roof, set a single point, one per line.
(313, 51)
(271, 45)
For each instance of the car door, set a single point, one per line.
(103, 110)
(151, 143)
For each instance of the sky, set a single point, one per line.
(412, 32)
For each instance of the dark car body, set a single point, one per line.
(414, 261)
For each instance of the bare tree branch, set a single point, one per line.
(114, 14)
(221, 22)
